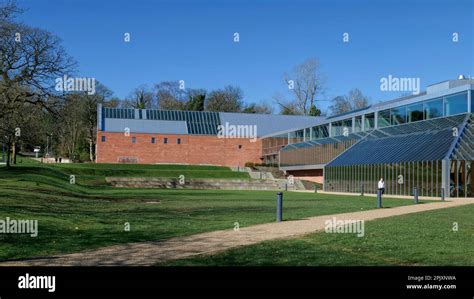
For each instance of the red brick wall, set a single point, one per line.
(193, 149)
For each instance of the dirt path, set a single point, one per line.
(149, 253)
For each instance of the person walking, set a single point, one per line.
(381, 186)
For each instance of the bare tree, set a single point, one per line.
(257, 108)
(228, 99)
(140, 98)
(305, 83)
(71, 131)
(170, 96)
(89, 114)
(355, 99)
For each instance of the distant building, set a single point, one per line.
(423, 141)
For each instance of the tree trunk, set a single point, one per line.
(8, 156)
(14, 152)
(91, 153)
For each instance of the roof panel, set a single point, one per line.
(422, 141)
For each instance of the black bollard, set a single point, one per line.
(379, 198)
(442, 194)
(286, 187)
(279, 212)
(415, 194)
(362, 190)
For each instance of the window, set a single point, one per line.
(134, 139)
(383, 118)
(296, 136)
(433, 109)
(240, 146)
(369, 122)
(165, 140)
(455, 104)
(347, 126)
(399, 115)
(472, 102)
(320, 132)
(153, 140)
(102, 138)
(415, 112)
(358, 123)
(307, 133)
(178, 141)
(336, 128)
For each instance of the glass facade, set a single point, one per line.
(423, 110)
(415, 112)
(455, 104)
(398, 115)
(433, 108)
(454, 176)
(400, 178)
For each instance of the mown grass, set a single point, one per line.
(426, 238)
(74, 217)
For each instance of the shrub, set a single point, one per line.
(250, 164)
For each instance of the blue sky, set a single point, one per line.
(193, 41)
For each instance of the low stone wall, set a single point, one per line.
(174, 183)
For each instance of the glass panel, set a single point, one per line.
(384, 118)
(347, 126)
(358, 123)
(324, 131)
(399, 115)
(369, 121)
(455, 104)
(415, 112)
(337, 128)
(296, 136)
(307, 134)
(433, 109)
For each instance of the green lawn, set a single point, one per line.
(425, 238)
(74, 217)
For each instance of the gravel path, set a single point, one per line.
(149, 253)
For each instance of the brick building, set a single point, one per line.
(187, 137)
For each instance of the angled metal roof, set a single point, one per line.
(267, 124)
(422, 141)
(463, 149)
(197, 122)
